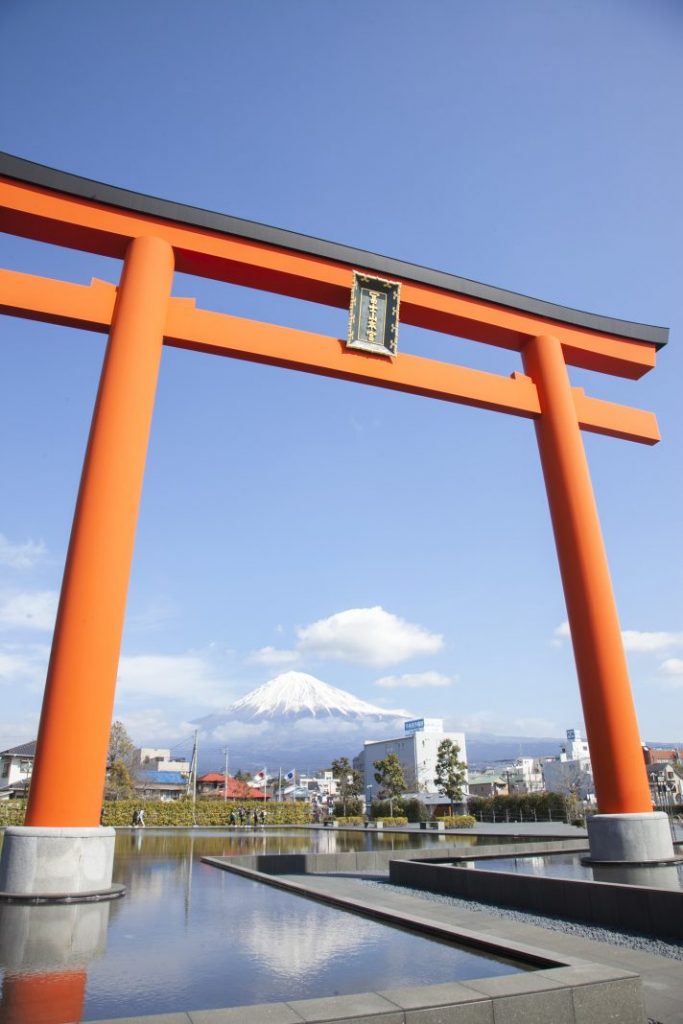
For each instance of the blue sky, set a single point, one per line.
(393, 546)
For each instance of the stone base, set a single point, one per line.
(56, 862)
(630, 838)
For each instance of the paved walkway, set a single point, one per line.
(662, 977)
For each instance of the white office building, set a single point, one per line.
(416, 751)
(571, 773)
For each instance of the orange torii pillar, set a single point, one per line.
(626, 829)
(79, 695)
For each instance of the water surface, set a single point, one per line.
(189, 936)
(570, 865)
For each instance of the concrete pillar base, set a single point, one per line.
(56, 862)
(630, 838)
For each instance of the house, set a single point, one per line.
(16, 768)
(153, 785)
(656, 755)
(488, 784)
(666, 784)
(213, 785)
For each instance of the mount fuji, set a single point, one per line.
(296, 716)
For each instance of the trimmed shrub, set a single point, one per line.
(351, 809)
(388, 822)
(459, 821)
(12, 812)
(415, 810)
(350, 819)
(383, 808)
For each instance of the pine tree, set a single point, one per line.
(390, 778)
(349, 781)
(451, 772)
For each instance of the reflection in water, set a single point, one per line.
(293, 946)
(52, 936)
(188, 936)
(570, 865)
(663, 876)
(44, 951)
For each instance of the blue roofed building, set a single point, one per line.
(155, 785)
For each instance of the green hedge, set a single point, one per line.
(415, 810)
(206, 812)
(12, 812)
(392, 821)
(459, 821)
(523, 806)
(160, 813)
(350, 819)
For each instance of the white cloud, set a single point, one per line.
(231, 731)
(20, 730)
(31, 610)
(186, 677)
(326, 727)
(273, 656)
(147, 726)
(14, 666)
(24, 666)
(414, 680)
(635, 640)
(673, 667)
(369, 636)
(560, 634)
(20, 556)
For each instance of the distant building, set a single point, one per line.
(213, 784)
(657, 755)
(321, 788)
(159, 759)
(154, 785)
(666, 784)
(16, 768)
(571, 773)
(525, 775)
(417, 753)
(488, 784)
(160, 778)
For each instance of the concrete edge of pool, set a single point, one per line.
(586, 993)
(636, 908)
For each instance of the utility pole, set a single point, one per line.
(225, 786)
(193, 775)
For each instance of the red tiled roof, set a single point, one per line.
(237, 790)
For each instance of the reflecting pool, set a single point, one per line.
(189, 936)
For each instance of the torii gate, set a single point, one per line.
(154, 237)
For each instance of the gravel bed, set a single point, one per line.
(658, 947)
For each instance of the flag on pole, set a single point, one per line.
(290, 776)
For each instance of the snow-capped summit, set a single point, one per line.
(295, 716)
(297, 694)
